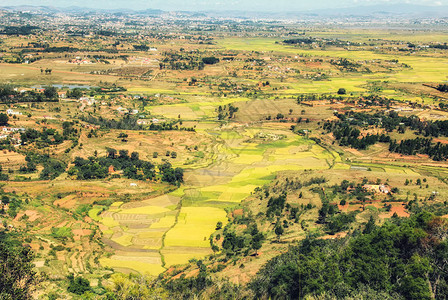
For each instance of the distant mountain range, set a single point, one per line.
(410, 10)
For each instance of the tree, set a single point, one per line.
(278, 231)
(76, 93)
(4, 119)
(370, 226)
(78, 285)
(17, 275)
(256, 245)
(342, 91)
(218, 225)
(50, 92)
(111, 153)
(135, 156)
(210, 60)
(280, 116)
(123, 154)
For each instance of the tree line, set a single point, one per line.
(132, 167)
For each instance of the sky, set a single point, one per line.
(198, 5)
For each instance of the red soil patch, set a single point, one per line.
(66, 202)
(61, 225)
(343, 207)
(192, 273)
(437, 165)
(400, 156)
(441, 141)
(91, 195)
(400, 210)
(32, 215)
(242, 227)
(81, 232)
(237, 212)
(354, 151)
(102, 227)
(336, 236)
(397, 208)
(35, 247)
(177, 276)
(313, 64)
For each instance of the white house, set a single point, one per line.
(13, 113)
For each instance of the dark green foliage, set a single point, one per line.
(132, 167)
(340, 222)
(307, 41)
(18, 30)
(141, 47)
(236, 243)
(276, 205)
(52, 169)
(437, 151)
(76, 93)
(43, 138)
(396, 261)
(130, 123)
(4, 119)
(17, 275)
(342, 91)
(345, 64)
(78, 285)
(317, 41)
(227, 112)
(9, 95)
(443, 87)
(210, 60)
(51, 92)
(190, 287)
(370, 226)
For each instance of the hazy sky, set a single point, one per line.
(252, 5)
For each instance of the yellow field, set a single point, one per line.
(136, 265)
(145, 210)
(124, 240)
(194, 226)
(164, 222)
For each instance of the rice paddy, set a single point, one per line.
(178, 225)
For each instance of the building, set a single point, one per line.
(13, 113)
(377, 189)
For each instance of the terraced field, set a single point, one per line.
(174, 228)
